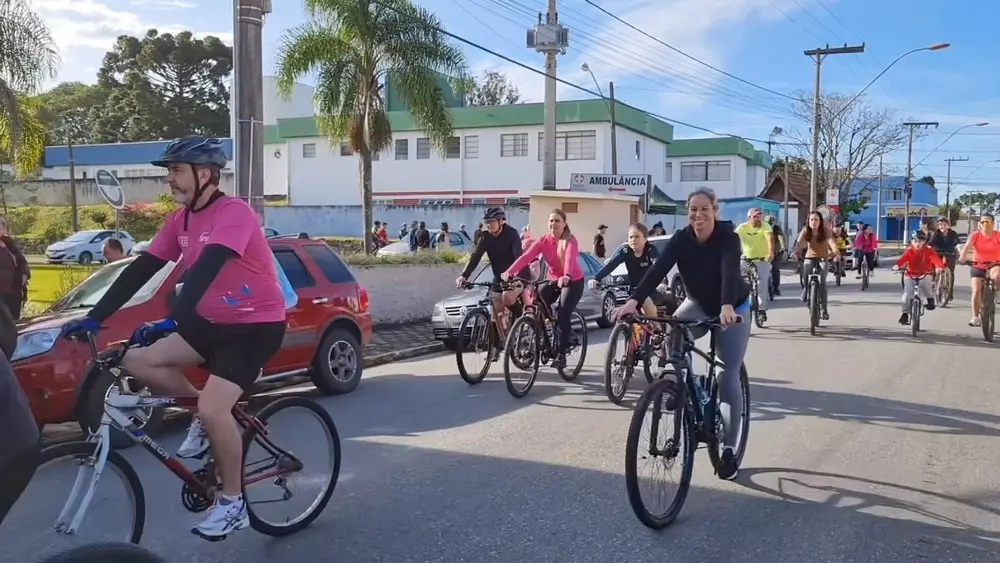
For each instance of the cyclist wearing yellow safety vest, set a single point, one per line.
(755, 238)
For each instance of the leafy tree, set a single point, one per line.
(927, 180)
(27, 58)
(493, 89)
(164, 86)
(979, 203)
(954, 214)
(351, 46)
(71, 108)
(853, 135)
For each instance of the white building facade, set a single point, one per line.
(495, 156)
(731, 166)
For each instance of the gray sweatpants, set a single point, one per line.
(731, 347)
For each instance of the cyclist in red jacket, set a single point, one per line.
(918, 260)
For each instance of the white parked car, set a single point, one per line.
(84, 247)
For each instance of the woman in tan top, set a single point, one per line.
(821, 246)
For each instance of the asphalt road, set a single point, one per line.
(866, 445)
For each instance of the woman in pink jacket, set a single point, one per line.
(560, 250)
(865, 248)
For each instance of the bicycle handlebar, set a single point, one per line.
(707, 322)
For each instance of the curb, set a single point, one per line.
(404, 354)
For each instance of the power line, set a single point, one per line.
(693, 58)
(473, 44)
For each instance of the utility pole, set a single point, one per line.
(74, 209)
(818, 55)
(878, 202)
(908, 185)
(788, 229)
(947, 197)
(551, 39)
(614, 136)
(248, 102)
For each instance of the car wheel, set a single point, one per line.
(86, 258)
(149, 420)
(677, 288)
(338, 364)
(607, 306)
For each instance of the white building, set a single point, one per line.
(495, 155)
(731, 166)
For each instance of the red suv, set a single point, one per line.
(327, 331)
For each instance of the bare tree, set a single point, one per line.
(853, 135)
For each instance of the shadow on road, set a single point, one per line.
(776, 402)
(899, 334)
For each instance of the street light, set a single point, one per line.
(948, 138)
(934, 47)
(611, 112)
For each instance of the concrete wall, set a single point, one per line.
(345, 220)
(56, 192)
(399, 294)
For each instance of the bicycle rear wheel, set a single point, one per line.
(715, 449)
(476, 334)
(105, 553)
(285, 466)
(619, 366)
(662, 446)
(944, 288)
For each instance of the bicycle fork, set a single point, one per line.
(87, 476)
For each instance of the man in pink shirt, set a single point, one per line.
(229, 315)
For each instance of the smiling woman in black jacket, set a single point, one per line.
(707, 255)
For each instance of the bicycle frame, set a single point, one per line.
(114, 406)
(681, 346)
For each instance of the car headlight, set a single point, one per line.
(438, 311)
(34, 343)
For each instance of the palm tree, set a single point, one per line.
(28, 57)
(351, 46)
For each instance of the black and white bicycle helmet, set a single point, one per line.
(494, 213)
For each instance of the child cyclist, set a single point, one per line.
(638, 255)
(918, 260)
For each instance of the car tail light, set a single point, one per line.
(362, 300)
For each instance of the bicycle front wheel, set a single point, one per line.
(813, 307)
(988, 313)
(577, 344)
(284, 471)
(915, 312)
(475, 336)
(664, 445)
(522, 349)
(619, 363)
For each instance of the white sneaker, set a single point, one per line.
(196, 442)
(223, 519)
(975, 321)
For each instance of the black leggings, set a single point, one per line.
(867, 256)
(568, 298)
(15, 474)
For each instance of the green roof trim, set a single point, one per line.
(721, 146)
(582, 111)
(271, 136)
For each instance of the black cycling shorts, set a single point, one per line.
(977, 272)
(234, 352)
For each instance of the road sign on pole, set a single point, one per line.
(111, 191)
(832, 196)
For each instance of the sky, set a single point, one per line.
(755, 46)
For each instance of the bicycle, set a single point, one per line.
(987, 310)
(813, 297)
(538, 345)
(644, 340)
(839, 270)
(750, 275)
(199, 487)
(945, 281)
(693, 403)
(480, 332)
(916, 309)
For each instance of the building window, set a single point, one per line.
(637, 155)
(895, 195)
(669, 172)
(309, 150)
(571, 145)
(514, 144)
(472, 146)
(709, 171)
(570, 207)
(345, 149)
(423, 148)
(454, 148)
(402, 149)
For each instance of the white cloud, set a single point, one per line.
(164, 4)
